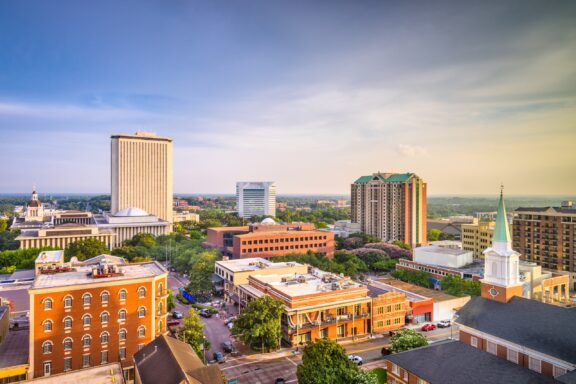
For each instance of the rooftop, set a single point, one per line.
(100, 374)
(14, 349)
(140, 135)
(253, 264)
(381, 286)
(546, 332)
(444, 250)
(385, 177)
(82, 275)
(549, 210)
(50, 257)
(443, 362)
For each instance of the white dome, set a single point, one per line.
(268, 221)
(131, 212)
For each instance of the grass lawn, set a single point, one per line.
(381, 374)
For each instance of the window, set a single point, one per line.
(535, 364)
(141, 292)
(395, 369)
(104, 316)
(160, 288)
(67, 344)
(67, 322)
(104, 337)
(68, 301)
(86, 299)
(512, 356)
(142, 312)
(491, 348)
(47, 304)
(380, 324)
(122, 314)
(86, 340)
(86, 320)
(67, 363)
(397, 307)
(474, 341)
(104, 297)
(122, 334)
(104, 357)
(141, 331)
(122, 353)
(323, 333)
(85, 361)
(47, 325)
(160, 308)
(340, 331)
(47, 347)
(47, 368)
(140, 346)
(380, 310)
(122, 294)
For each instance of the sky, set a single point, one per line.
(311, 94)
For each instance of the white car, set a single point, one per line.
(230, 325)
(355, 359)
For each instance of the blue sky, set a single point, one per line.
(311, 94)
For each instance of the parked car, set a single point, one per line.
(385, 351)
(219, 357)
(230, 326)
(205, 313)
(173, 323)
(227, 346)
(280, 381)
(428, 327)
(444, 324)
(177, 314)
(229, 319)
(355, 359)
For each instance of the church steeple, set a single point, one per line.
(501, 239)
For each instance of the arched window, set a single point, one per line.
(104, 317)
(122, 314)
(86, 320)
(47, 347)
(160, 307)
(47, 325)
(68, 301)
(160, 326)
(122, 334)
(67, 322)
(104, 296)
(86, 340)
(142, 312)
(160, 288)
(141, 331)
(122, 294)
(67, 344)
(104, 336)
(141, 292)
(47, 304)
(86, 299)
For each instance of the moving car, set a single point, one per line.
(177, 314)
(219, 357)
(444, 324)
(385, 351)
(227, 346)
(355, 359)
(428, 327)
(205, 313)
(173, 323)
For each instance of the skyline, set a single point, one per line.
(258, 91)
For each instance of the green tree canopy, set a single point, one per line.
(192, 332)
(454, 285)
(325, 362)
(145, 240)
(3, 225)
(406, 339)
(258, 325)
(420, 278)
(434, 234)
(201, 269)
(85, 249)
(170, 303)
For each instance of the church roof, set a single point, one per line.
(501, 229)
(539, 326)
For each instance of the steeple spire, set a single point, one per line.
(501, 240)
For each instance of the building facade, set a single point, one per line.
(95, 314)
(142, 174)
(60, 236)
(256, 198)
(269, 239)
(476, 237)
(391, 206)
(547, 237)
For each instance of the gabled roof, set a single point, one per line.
(170, 361)
(392, 178)
(535, 325)
(453, 362)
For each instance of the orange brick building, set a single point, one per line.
(96, 313)
(323, 305)
(269, 239)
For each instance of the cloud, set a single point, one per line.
(411, 150)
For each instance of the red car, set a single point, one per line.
(428, 327)
(172, 323)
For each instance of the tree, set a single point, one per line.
(434, 234)
(85, 249)
(402, 245)
(420, 278)
(170, 300)
(454, 285)
(325, 362)
(259, 324)
(192, 332)
(201, 271)
(145, 240)
(406, 339)
(3, 225)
